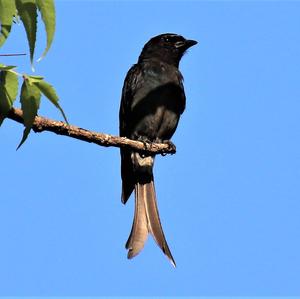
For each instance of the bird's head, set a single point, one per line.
(167, 47)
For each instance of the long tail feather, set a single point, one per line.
(154, 224)
(139, 230)
(146, 220)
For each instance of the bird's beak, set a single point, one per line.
(189, 43)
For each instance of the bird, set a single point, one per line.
(152, 102)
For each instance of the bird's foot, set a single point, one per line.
(147, 144)
(171, 146)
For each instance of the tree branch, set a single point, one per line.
(61, 128)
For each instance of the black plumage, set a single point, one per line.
(152, 101)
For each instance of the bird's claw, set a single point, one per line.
(171, 146)
(147, 144)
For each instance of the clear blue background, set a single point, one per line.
(229, 198)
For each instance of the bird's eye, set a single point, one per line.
(167, 39)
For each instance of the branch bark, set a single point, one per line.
(61, 128)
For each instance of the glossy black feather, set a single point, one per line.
(152, 101)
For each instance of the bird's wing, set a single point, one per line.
(142, 80)
(132, 82)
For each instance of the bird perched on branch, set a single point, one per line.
(152, 101)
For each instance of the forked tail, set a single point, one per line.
(146, 220)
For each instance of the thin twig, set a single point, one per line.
(61, 128)
(15, 54)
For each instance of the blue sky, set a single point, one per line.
(229, 198)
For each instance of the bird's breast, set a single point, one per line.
(157, 105)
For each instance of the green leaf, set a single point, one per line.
(33, 79)
(8, 92)
(36, 77)
(47, 9)
(7, 11)
(30, 103)
(6, 67)
(28, 13)
(49, 92)
(11, 85)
